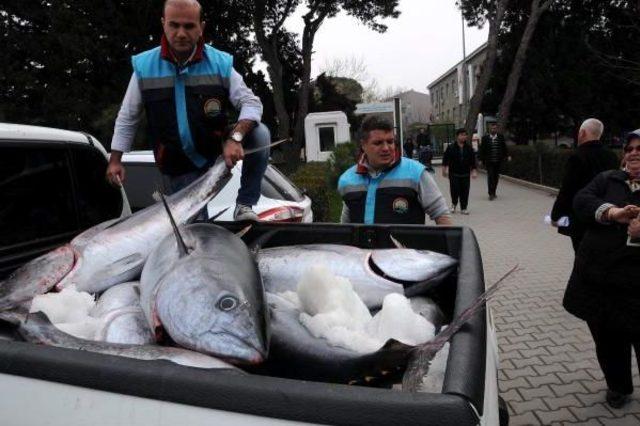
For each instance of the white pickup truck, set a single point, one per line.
(52, 187)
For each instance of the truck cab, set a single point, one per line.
(52, 187)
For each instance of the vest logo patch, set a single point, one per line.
(400, 205)
(212, 107)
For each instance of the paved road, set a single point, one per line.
(549, 373)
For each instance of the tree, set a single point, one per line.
(268, 19)
(479, 12)
(565, 78)
(273, 13)
(336, 94)
(538, 7)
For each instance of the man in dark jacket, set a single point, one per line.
(493, 151)
(585, 163)
(459, 164)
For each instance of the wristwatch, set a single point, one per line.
(237, 136)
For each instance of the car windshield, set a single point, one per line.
(276, 186)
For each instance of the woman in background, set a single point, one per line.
(604, 288)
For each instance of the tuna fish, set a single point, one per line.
(38, 329)
(296, 353)
(121, 317)
(374, 273)
(203, 288)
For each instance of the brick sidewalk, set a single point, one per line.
(548, 368)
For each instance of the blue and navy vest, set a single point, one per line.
(186, 107)
(391, 197)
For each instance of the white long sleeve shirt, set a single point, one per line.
(130, 114)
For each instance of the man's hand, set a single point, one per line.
(474, 173)
(634, 228)
(623, 215)
(115, 170)
(445, 172)
(232, 152)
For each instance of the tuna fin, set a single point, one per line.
(244, 231)
(396, 243)
(217, 215)
(182, 247)
(424, 354)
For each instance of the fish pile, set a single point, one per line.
(195, 294)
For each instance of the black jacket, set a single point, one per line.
(588, 160)
(485, 149)
(605, 283)
(459, 161)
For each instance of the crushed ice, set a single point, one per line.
(332, 310)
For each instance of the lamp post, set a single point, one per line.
(465, 76)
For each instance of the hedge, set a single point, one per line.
(538, 164)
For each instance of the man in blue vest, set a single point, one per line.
(187, 89)
(384, 187)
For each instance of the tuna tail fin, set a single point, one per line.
(182, 247)
(424, 354)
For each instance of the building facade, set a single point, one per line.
(447, 99)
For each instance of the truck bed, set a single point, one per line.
(460, 403)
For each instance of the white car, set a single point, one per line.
(280, 200)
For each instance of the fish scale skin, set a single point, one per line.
(36, 277)
(282, 268)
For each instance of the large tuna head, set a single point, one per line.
(210, 300)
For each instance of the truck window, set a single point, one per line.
(97, 199)
(36, 194)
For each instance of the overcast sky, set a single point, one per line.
(419, 46)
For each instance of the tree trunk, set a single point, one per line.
(308, 35)
(537, 9)
(269, 49)
(475, 103)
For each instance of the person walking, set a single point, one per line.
(409, 148)
(459, 165)
(586, 162)
(603, 288)
(384, 187)
(187, 89)
(425, 157)
(493, 151)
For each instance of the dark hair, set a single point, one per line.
(374, 123)
(460, 131)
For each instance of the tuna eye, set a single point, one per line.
(227, 303)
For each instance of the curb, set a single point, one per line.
(549, 190)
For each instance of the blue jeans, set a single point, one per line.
(253, 168)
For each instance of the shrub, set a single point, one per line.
(343, 156)
(312, 178)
